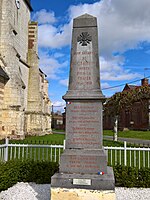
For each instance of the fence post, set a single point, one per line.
(6, 150)
(125, 153)
(64, 145)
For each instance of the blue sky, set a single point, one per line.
(124, 41)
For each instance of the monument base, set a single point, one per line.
(81, 194)
(84, 181)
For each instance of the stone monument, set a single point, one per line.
(83, 172)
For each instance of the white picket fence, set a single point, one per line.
(30, 151)
(131, 156)
(128, 156)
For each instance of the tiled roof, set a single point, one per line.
(132, 87)
(135, 86)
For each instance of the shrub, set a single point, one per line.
(126, 176)
(15, 171)
(12, 172)
(144, 178)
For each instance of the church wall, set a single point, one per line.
(13, 50)
(25, 108)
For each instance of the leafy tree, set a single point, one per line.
(126, 99)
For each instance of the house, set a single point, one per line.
(57, 121)
(25, 105)
(135, 118)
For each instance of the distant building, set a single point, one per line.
(64, 118)
(25, 105)
(57, 121)
(137, 118)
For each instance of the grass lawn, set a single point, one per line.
(56, 139)
(45, 139)
(145, 135)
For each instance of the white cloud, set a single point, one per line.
(64, 82)
(53, 37)
(122, 25)
(58, 55)
(59, 106)
(52, 67)
(118, 77)
(43, 16)
(59, 103)
(112, 70)
(104, 85)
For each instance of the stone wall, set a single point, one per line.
(20, 63)
(1, 99)
(13, 49)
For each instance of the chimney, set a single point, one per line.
(144, 82)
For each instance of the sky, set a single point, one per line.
(124, 42)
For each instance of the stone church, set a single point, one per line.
(24, 102)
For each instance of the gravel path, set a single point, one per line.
(32, 191)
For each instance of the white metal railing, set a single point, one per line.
(2, 152)
(131, 156)
(30, 151)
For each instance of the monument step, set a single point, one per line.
(84, 181)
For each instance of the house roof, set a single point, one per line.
(129, 87)
(132, 87)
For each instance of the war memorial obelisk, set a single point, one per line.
(83, 172)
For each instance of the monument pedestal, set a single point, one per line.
(83, 172)
(83, 186)
(84, 181)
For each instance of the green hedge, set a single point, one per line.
(131, 177)
(12, 172)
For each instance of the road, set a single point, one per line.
(129, 140)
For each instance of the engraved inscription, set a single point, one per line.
(84, 127)
(83, 63)
(83, 162)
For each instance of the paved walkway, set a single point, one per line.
(129, 140)
(57, 132)
(120, 139)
